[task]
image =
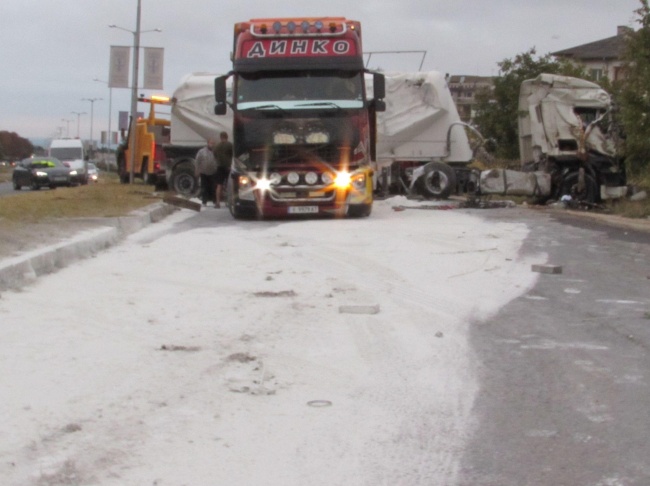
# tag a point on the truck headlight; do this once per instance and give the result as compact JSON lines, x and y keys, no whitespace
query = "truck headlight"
{"x":359,"y":181}
{"x":342,"y":180}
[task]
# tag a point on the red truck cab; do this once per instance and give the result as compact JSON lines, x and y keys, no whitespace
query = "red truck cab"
{"x":304,"y":133}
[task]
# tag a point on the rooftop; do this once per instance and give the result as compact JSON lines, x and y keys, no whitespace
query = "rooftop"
{"x":609,"y":48}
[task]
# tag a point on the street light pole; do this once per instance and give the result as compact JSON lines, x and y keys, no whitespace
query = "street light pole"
{"x":134,"y":90}
{"x":134,"y":84}
{"x":92,"y":108}
{"x":110,"y":108}
{"x":78,"y":113}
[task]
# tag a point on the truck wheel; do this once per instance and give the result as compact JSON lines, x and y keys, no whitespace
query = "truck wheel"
{"x":17,"y":186}
{"x":437,"y":182}
{"x":236,"y":212}
{"x":121,"y":171}
{"x":145,"y":176}
{"x":589,"y":193}
{"x":183,"y":182}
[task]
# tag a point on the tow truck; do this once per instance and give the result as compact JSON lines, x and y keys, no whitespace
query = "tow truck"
{"x":151,"y":134}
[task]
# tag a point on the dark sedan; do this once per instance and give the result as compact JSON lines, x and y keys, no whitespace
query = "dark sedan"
{"x":38,"y":172}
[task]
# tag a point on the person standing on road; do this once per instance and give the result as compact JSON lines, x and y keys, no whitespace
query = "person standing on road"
{"x":206,"y":170}
{"x":223,"y":154}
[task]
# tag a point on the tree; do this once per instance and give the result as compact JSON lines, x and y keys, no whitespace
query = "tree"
{"x":497,"y":109}
{"x":15,"y":147}
{"x":635,"y":94}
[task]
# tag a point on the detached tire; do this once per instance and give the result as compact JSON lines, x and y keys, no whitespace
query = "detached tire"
{"x":437,"y":182}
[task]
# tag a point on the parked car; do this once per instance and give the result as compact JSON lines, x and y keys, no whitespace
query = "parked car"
{"x":37,"y":172}
{"x":93,"y":172}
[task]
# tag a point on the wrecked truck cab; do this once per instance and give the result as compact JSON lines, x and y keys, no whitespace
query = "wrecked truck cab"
{"x":566,"y":129}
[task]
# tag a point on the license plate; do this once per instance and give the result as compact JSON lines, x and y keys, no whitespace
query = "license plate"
{"x":59,"y":178}
{"x":303,"y":209}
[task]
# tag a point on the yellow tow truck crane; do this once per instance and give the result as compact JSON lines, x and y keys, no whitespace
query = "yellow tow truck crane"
{"x":150,"y":134}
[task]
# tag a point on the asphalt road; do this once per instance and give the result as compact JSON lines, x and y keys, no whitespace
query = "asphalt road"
{"x":565,"y":369}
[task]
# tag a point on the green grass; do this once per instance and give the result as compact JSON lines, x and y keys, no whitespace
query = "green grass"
{"x":5,"y":173}
{"x":107,"y":198}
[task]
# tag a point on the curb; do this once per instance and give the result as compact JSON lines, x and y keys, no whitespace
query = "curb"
{"x":24,"y":269}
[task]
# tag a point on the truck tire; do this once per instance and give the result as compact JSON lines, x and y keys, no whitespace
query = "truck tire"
{"x":183,"y":182}
{"x":235,"y":211}
{"x":437,"y":182}
{"x":588,"y":194}
{"x":146,"y":179}
{"x":121,"y":170}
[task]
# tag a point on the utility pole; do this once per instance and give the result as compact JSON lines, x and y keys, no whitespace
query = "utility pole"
{"x":92,"y":107}
{"x":110,"y":109}
{"x":78,"y":113}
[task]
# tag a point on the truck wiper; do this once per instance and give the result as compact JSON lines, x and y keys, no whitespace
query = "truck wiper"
{"x":321,"y":103}
{"x":264,"y":107}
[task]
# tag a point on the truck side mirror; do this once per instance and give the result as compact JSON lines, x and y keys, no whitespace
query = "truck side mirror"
{"x":378,"y":86}
{"x":379,"y":105}
{"x":220,"y":95}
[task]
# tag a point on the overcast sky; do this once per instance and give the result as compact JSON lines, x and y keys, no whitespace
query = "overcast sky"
{"x":51,"y":50}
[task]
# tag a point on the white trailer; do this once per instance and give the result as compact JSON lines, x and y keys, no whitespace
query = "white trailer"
{"x":422,"y":145}
{"x":419,"y":134}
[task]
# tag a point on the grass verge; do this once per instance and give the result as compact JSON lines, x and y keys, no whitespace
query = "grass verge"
{"x":107,"y":198}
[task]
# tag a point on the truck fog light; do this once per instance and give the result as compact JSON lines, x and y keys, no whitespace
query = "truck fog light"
{"x":263,"y":184}
{"x":275,"y":179}
{"x":327,"y":178}
{"x":311,"y":178}
{"x":293,"y":178}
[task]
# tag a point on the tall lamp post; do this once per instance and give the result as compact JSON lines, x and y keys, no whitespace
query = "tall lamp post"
{"x":134,"y":84}
{"x":78,"y":113}
{"x":110,"y":108}
{"x":92,"y":108}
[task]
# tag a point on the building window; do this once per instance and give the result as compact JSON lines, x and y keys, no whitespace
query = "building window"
{"x":596,"y":74}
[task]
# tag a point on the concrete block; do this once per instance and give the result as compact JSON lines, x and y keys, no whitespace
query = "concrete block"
{"x":551,"y":269}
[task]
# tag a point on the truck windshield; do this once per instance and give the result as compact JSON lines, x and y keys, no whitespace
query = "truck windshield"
{"x":66,"y":153}
{"x":289,"y":90}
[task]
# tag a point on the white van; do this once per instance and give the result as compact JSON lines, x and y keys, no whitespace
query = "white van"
{"x":70,"y":151}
